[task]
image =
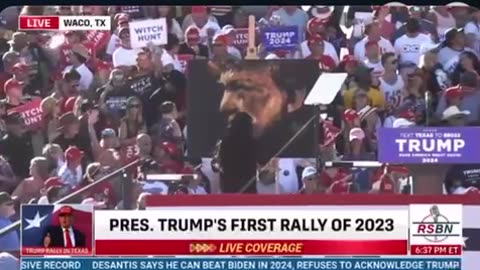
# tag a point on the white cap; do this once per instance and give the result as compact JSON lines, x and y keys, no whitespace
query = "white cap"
{"x":402,"y":123}
{"x":308,"y":172}
{"x":227,"y":29}
{"x":272,"y":56}
{"x":453,"y":111}
{"x":356,"y":134}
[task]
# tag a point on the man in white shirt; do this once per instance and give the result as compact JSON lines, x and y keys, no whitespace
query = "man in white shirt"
{"x":77,"y":58}
{"x":391,"y":84}
{"x":373,"y":34}
{"x":408,"y":46}
{"x":125,"y":56}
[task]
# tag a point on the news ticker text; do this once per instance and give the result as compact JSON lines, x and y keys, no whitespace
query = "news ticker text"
{"x":241,"y":264}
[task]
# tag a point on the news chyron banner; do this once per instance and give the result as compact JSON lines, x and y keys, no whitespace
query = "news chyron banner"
{"x":252,"y":231}
{"x":436,"y":229}
{"x":64,"y":23}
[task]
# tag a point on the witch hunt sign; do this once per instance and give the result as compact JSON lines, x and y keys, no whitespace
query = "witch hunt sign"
{"x":145,"y":32}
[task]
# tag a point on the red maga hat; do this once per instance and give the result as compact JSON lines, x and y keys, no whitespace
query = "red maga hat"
{"x":65,"y":211}
{"x":73,"y":153}
{"x":454,"y":92}
{"x":350,"y":115}
{"x":53,"y":181}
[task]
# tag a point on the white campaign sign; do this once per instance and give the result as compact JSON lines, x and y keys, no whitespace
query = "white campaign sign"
{"x":145,"y":32}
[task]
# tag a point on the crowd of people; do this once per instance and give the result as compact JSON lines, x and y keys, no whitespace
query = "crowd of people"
{"x":78,"y":105}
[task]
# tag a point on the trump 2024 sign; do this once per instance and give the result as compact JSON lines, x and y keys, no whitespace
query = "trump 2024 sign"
{"x":429,"y":145}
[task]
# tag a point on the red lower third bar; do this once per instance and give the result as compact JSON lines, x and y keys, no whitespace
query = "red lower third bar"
{"x":437,"y":250}
{"x":251,"y":247}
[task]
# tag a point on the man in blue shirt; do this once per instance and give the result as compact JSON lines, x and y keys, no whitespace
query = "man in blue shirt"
{"x":9,"y":241}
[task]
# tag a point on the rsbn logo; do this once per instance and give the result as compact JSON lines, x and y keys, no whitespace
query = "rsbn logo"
{"x":435,"y":227}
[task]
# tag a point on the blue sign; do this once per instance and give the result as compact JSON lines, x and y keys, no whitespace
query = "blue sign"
{"x":240,"y":263}
{"x":280,"y":38}
{"x":448,"y":145}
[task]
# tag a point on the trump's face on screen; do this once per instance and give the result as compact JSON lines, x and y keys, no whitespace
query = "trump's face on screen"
{"x":65,"y":217}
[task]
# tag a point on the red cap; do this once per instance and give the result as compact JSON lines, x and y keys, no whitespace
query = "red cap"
{"x":65,"y":211}
{"x":407,"y":114}
{"x":199,"y":9}
{"x":350,"y":115}
{"x":21,"y":67}
{"x":104,"y":65}
{"x":73,"y":153}
{"x":349,"y":59}
{"x":327,"y":63}
{"x":53,"y":181}
{"x":11,"y":84}
{"x":314,"y":23}
{"x":454,"y":92}
{"x":220,"y":39}
{"x":192,"y":33}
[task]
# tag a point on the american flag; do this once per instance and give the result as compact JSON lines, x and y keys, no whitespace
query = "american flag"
{"x":37,"y":218}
